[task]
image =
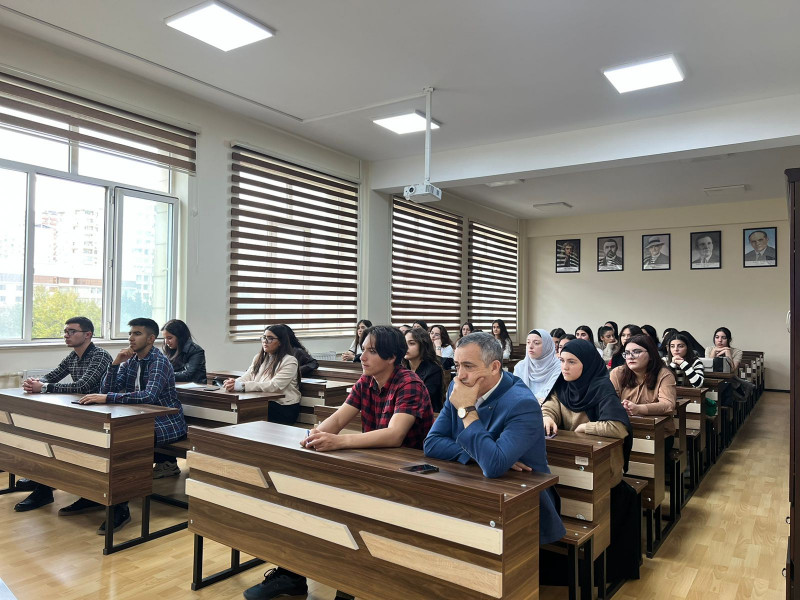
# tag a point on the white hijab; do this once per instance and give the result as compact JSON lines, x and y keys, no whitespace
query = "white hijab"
{"x":540,"y":374}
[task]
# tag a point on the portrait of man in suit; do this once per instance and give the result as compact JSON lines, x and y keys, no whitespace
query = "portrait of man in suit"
{"x":568,"y":256}
{"x":706,"y":250}
{"x":609,"y":254}
{"x":762,"y":243}
{"x":655,"y":252}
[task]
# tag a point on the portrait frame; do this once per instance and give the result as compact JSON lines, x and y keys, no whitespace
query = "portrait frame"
{"x":561,"y":265}
{"x":771,"y":250}
{"x":695,"y":259}
{"x":620,"y":241}
{"x":664,"y":257}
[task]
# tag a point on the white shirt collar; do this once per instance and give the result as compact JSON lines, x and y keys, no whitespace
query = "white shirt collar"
{"x":480,"y":400}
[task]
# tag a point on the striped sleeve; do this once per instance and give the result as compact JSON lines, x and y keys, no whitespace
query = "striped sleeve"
{"x":694,"y":372}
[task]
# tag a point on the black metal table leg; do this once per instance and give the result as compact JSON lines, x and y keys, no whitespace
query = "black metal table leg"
{"x":572,"y":575}
{"x":587,"y":572}
{"x":11,"y":484}
{"x":199,"y":582}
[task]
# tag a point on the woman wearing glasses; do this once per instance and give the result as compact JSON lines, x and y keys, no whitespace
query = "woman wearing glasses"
{"x":274,"y":369}
{"x":626,"y":333}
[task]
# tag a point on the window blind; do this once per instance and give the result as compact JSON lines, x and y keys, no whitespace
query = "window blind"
{"x":426,"y":265}
{"x":47,"y":112}
{"x":492,"y":281}
{"x":293,"y":250}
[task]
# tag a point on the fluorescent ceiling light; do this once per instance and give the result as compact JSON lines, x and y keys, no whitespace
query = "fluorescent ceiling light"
{"x":650,"y":73}
{"x":410,"y":123}
{"x":494,"y":184}
{"x":740,"y":188}
{"x":219,"y":25}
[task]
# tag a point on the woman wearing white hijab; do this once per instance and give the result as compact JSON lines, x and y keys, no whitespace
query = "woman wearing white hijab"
{"x":540,"y":368}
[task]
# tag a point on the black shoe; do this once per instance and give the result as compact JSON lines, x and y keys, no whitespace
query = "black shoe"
{"x":277,"y":582}
{"x":25,"y":485}
{"x":39,"y":497}
{"x":122,"y":516}
{"x":80,"y":506}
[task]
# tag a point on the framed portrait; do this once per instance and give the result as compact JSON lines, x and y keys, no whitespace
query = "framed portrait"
{"x":760,"y":247}
{"x":706,"y":249}
{"x":655,"y":252}
{"x":568,"y":256}
{"x":610,"y":253}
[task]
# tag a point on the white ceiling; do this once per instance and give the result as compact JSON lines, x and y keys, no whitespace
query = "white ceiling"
{"x":502,"y":71}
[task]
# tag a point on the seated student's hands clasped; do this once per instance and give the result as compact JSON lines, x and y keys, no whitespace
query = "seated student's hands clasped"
{"x":229,"y":385}
{"x":32,"y":385}
{"x":550,"y":427}
{"x":323,"y":441}
{"x":631,"y":408}
{"x":348,"y":356}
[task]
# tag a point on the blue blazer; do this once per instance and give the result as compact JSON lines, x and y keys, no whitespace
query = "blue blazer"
{"x":510,"y":429}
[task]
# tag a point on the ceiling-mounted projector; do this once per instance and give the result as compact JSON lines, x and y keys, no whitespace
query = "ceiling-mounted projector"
{"x":422,"y":193}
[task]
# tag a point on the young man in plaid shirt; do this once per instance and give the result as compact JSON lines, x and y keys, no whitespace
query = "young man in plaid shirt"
{"x":141,"y":374}
{"x":86,"y":364}
{"x":395,"y":411}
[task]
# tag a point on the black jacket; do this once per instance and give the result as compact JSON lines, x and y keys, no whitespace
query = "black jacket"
{"x":190,"y":364}
{"x":306,"y":362}
{"x":431,"y":375}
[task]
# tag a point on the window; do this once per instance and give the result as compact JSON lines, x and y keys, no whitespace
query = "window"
{"x":294,"y":248}
{"x":492,"y":268}
{"x":86,"y":205}
{"x":426,"y":265}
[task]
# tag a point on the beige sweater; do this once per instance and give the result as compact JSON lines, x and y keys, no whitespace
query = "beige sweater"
{"x":285,"y":379}
{"x":566,"y":419}
{"x":657,"y":402}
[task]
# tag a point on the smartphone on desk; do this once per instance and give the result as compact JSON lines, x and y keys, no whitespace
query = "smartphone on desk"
{"x":424,"y":468}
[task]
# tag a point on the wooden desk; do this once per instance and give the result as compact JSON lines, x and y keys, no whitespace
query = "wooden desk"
{"x":101,"y":452}
{"x":647,"y":463}
{"x":323,"y":412}
{"x":218,"y":407}
{"x":356,"y":521}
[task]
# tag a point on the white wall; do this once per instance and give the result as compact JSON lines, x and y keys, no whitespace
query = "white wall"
{"x":751,"y":302}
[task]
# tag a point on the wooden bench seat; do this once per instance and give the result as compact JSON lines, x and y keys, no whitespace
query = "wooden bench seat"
{"x":177,"y":449}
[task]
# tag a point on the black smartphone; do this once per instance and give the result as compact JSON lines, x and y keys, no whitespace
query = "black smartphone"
{"x":425,"y":468}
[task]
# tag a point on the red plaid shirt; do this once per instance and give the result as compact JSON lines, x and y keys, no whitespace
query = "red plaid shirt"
{"x":403,"y":393}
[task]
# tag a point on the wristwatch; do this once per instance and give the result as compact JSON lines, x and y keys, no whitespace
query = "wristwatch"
{"x":45,"y":386}
{"x":464,"y":411}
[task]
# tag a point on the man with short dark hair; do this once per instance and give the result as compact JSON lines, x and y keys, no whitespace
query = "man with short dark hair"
{"x":395,"y":411}
{"x":86,"y":364}
{"x":609,"y":260}
{"x":141,"y":374}
{"x":491,"y":417}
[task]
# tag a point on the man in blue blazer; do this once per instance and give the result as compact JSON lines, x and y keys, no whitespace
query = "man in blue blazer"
{"x":491,"y":417}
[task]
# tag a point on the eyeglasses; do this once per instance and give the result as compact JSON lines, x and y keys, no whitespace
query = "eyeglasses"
{"x":69,"y":332}
{"x":268,"y":338}
{"x":632,"y":353}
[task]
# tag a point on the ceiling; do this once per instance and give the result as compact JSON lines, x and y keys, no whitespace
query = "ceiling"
{"x":530,"y":68}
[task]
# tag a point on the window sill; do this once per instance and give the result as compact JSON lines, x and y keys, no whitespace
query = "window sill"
{"x":47,"y":344}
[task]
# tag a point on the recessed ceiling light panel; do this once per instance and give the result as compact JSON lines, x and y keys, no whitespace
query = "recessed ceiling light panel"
{"x":646,"y":74}
{"x":409,"y":123}
{"x":219,"y":25}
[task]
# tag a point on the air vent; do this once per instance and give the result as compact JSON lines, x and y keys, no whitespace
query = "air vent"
{"x":551,"y":206}
{"x":726,"y":190}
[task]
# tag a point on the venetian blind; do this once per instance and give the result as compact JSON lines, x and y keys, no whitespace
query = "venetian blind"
{"x":294,"y":248}
{"x":47,"y":112}
{"x":492,"y":268}
{"x":426,"y":265}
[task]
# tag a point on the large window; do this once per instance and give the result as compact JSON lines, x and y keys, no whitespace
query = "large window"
{"x":294,"y":248}
{"x":426,"y":265}
{"x":89,"y":225}
{"x":493,"y":273}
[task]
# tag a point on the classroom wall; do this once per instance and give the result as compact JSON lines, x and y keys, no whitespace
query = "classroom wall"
{"x":751,"y":302}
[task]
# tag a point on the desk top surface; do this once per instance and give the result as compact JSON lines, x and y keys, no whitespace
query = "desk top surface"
{"x":220,"y":395}
{"x":581,"y":443}
{"x":55,"y":405}
{"x":379,"y":462}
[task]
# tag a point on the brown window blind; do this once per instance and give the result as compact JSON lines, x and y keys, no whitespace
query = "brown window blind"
{"x":294,"y":248}
{"x":47,"y":112}
{"x":426,"y":265}
{"x":492,"y":280}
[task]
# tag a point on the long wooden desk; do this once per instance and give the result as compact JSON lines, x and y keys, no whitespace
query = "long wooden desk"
{"x":647,"y":463}
{"x":356,"y":521}
{"x":100,"y":452}
{"x":213,"y":407}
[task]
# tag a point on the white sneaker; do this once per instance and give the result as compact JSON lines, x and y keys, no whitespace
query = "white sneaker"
{"x":166,"y":469}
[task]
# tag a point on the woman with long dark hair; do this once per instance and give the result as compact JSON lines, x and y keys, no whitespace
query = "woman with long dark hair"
{"x":274,"y":369}
{"x":626,"y":333}
{"x":500,"y":333}
{"x":722,"y":347}
{"x":307,"y":363}
{"x":443,"y":345}
{"x":188,"y":359}
{"x":466,"y":328}
{"x":355,"y":348}
{"x":682,"y":359}
{"x":422,"y":359}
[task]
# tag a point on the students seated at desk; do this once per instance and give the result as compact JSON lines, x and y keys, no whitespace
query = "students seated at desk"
{"x":466,"y":329}
{"x":274,"y":369}
{"x":663,"y":347}
{"x":443,"y":345}
{"x":395,"y":411}
{"x":491,"y":417}
{"x":722,"y":347}
{"x":684,"y":362}
{"x":307,"y":363}
{"x":563,"y":342}
{"x":540,"y":368}
{"x":86,"y":365}
{"x":141,"y":374}
{"x":626,"y":333}
{"x":584,"y":332}
{"x":645,"y":384}
{"x":608,"y":342}
{"x":501,"y":335}
{"x":355,"y":349}
{"x":421,"y":358}
{"x":188,"y":358}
